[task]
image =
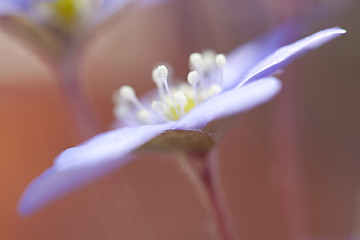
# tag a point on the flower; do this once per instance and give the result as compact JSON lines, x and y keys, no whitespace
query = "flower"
{"x":58,"y":32}
{"x":69,"y":16}
{"x":218,"y":87}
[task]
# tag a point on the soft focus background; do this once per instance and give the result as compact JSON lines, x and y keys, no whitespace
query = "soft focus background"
{"x":311,"y":130}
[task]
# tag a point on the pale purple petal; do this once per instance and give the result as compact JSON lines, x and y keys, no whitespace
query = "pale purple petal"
{"x":82,"y":164}
{"x":231,"y":102}
{"x":284,"y":55}
{"x":11,"y":7}
{"x":245,"y":57}
{"x":110,"y":7}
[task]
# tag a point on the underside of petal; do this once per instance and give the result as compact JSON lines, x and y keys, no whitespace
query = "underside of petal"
{"x":245,"y":57}
{"x":231,"y":102}
{"x":82,"y":164}
{"x":284,"y":55}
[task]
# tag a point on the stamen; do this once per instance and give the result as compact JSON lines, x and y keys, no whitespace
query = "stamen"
{"x":162,"y":73}
{"x":158,"y":81}
{"x":195,"y":61}
{"x":214,"y":89}
{"x":121,"y":110}
{"x":144,"y":115}
{"x":181,"y":101}
{"x":160,"y":109}
{"x":208,"y":60}
{"x":127,"y":93}
{"x":220,"y":60}
{"x":193,"y":78}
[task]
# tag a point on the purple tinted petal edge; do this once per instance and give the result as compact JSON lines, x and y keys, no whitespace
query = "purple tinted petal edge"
{"x":286,"y":54}
{"x":231,"y":102}
{"x":89,"y":161}
{"x":243,"y":58}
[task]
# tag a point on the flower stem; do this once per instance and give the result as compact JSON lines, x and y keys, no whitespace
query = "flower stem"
{"x":70,"y":85}
{"x":204,"y":166}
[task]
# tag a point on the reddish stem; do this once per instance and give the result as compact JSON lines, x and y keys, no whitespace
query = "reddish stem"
{"x":70,"y":85}
{"x":205,"y":167}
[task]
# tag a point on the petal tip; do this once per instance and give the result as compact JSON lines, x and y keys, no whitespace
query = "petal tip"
{"x":338,"y":30}
{"x":24,"y":207}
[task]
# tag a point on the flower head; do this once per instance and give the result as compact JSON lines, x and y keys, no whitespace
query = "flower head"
{"x":217,"y":86}
{"x":67,"y":17}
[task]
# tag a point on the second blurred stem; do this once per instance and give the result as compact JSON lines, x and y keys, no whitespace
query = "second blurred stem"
{"x":67,"y":70}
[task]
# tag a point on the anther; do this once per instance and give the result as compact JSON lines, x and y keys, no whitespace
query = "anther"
{"x":158,"y":81}
{"x":193,"y":78}
{"x":127,"y":93}
{"x":220,"y":60}
{"x":208,"y":59}
{"x":195,"y":61}
{"x":144,"y":115}
{"x":214,"y":89}
{"x":162,"y":73}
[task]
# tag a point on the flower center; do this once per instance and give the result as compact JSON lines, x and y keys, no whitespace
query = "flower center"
{"x":172,"y":102}
{"x":65,"y":13}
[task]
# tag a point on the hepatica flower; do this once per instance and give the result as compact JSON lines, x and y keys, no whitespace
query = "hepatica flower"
{"x":173,"y":116}
{"x":66,"y":16}
{"x":58,"y":33}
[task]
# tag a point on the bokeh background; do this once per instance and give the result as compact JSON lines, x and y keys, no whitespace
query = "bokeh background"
{"x":310,"y":131}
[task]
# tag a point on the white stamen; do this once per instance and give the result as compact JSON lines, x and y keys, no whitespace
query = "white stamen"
{"x":173,"y":102}
{"x":162,"y":73}
{"x":181,"y":101}
{"x":193,"y":78}
{"x":158,"y":81}
{"x":195,"y":61}
{"x":214,"y":89}
{"x":160,"y":109}
{"x":208,"y":60}
{"x":144,"y":115}
{"x":127,"y":93}
{"x":121,"y":110}
{"x":220,"y":60}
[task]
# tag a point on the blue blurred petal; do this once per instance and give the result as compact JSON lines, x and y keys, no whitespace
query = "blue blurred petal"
{"x":231,"y":102}
{"x":11,"y":7}
{"x":284,"y":55}
{"x":82,"y":164}
{"x":245,"y":57}
{"x":111,"y":7}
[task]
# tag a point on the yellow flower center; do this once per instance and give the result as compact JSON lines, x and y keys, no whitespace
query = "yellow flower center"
{"x":67,"y":10}
{"x":65,"y":14}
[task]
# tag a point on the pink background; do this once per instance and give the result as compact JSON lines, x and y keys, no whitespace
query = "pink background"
{"x":312,"y":127}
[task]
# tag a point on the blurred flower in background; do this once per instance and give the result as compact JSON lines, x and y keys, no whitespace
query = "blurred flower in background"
{"x":126,"y":204}
{"x":57,"y":32}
